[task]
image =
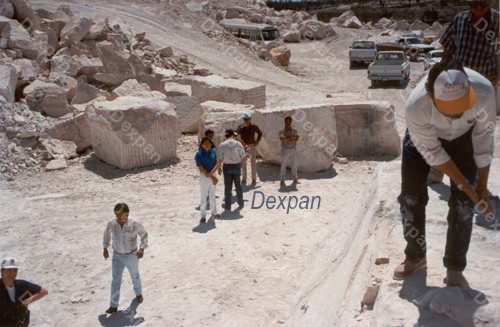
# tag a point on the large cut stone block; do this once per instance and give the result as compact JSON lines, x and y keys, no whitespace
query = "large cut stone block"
{"x":219,"y":122}
{"x":132,"y":132}
{"x":367,"y":129}
{"x":217,"y":88}
{"x":72,"y":128}
{"x":317,"y":131}
{"x":188,"y":111}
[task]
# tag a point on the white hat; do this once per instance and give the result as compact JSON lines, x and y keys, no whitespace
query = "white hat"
{"x":453,"y":93}
{"x":9,"y":263}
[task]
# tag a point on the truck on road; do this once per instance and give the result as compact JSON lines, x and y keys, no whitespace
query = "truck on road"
{"x":389,"y":66}
{"x":362,"y":52}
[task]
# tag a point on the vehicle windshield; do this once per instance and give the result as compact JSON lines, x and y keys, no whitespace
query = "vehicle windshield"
{"x":363,"y":45}
{"x":413,"y":40}
{"x":390,"y":59}
{"x":438,"y":54}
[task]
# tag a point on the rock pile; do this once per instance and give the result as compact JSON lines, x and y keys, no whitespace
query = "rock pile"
{"x":54,"y":64}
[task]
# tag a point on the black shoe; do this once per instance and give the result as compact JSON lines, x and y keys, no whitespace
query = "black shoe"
{"x":139,"y":298}
{"x":240,"y":207}
{"x":112,"y":310}
{"x":254,"y":182}
{"x":244,"y":182}
{"x":225,"y":207}
{"x":203,"y":220}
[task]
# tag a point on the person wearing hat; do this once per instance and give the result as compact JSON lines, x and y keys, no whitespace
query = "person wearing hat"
{"x":250,"y":136}
{"x":16,"y":295}
{"x":230,"y":155}
{"x":451,"y":124}
{"x":123,"y":232}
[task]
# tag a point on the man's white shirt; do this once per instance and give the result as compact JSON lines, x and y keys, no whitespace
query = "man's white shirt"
{"x":427,"y":125}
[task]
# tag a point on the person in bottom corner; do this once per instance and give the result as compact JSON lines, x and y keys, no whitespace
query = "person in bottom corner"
{"x":122,"y":234}
{"x":16,"y":295}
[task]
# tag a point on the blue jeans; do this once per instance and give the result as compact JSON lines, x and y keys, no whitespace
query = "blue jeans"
{"x":232,"y":174}
{"x":414,"y":198}
{"x":119,"y":263}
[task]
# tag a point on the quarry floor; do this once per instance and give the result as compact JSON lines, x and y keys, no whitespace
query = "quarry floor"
{"x":262,"y":267}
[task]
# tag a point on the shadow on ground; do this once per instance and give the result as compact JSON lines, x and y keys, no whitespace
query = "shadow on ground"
{"x":268,"y":172}
{"x":442,"y":307}
{"x":107,"y":171}
{"x":122,"y":318}
{"x":205,"y":228}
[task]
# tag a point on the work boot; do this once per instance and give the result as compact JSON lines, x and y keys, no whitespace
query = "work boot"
{"x":282,"y":184}
{"x":112,"y":310}
{"x":203,"y":220}
{"x":408,"y":268}
{"x":455,"y":278}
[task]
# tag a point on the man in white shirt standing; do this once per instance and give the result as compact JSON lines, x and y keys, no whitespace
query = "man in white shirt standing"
{"x":123,"y":233}
{"x":451,"y":127}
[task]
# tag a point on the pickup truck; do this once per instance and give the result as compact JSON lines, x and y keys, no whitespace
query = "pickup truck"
{"x":362,"y":52}
{"x":411,"y":45}
{"x":389,"y":66}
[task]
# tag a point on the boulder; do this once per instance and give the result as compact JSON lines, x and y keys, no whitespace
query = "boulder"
{"x":237,"y":12}
{"x":84,"y":92}
{"x":188,"y":111}
{"x":400,"y":25}
{"x":280,"y":56}
{"x":6,"y":9}
{"x":112,"y":79}
{"x":165,"y":73}
{"x":73,"y":128}
{"x":155,"y":82}
{"x":59,"y":149}
{"x":75,"y":30}
{"x":27,"y":70}
{"x":166,"y":52}
{"x":436,"y":26}
{"x":315,"y":30}
{"x":65,"y":65}
{"x":25,"y":14}
{"x":353,"y":22}
{"x":383,"y":23}
{"x":345,"y":17}
{"x":56,"y":164}
{"x":97,"y":32}
{"x":418,"y":25}
{"x":176,"y":89}
{"x":131,"y":132}
{"x":292,"y":36}
{"x":316,"y":127}
{"x":18,"y":38}
{"x":48,"y":98}
{"x":219,"y":122}
{"x":88,"y":66}
{"x":367,"y":129}
{"x":257,"y":18}
{"x":132,"y":87}
{"x":217,"y":88}
{"x":8,"y":81}
{"x":113,"y":60}
{"x":68,"y":83}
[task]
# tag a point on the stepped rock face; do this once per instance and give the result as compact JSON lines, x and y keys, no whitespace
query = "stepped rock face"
{"x":317,"y":131}
{"x":367,"y":129}
{"x":188,"y":111}
{"x":217,"y":88}
{"x":132,"y":132}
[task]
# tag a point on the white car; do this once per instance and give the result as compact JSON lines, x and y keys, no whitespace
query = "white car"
{"x":389,"y":66}
{"x":432,"y":58}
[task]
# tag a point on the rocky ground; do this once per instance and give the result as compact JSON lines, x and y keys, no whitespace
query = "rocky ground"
{"x":260,"y":268}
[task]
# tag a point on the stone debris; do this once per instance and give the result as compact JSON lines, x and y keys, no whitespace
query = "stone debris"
{"x":382,"y":261}
{"x":8,"y":81}
{"x":56,"y":164}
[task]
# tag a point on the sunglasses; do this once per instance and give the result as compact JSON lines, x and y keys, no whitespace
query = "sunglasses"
{"x":478,"y":4}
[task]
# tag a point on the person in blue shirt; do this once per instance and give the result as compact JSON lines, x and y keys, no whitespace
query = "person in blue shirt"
{"x":206,"y":161}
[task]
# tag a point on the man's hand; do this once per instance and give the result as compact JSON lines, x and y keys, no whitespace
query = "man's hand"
{"x":215,"y":180}
{"x":105,"y":254}
{"x":219,"y":171}
{"x":140,"y":253}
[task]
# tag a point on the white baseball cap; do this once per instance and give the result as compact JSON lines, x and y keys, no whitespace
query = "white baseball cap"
{"x":9,"y":263}
{"x":453,"y":94}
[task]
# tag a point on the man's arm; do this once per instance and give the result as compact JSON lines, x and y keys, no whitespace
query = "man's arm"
{"x":106,"y":240}
{"x":448,"y":42}
{"x":450,"y":169}
{"x":37,"y":296}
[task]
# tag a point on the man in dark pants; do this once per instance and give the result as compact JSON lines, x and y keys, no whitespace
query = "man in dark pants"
{"x":230,"y":155}
{"x":16,"y":295}
{"x":451,"y":124}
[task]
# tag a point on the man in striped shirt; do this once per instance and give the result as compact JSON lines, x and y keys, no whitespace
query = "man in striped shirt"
{"x":472,"y":39}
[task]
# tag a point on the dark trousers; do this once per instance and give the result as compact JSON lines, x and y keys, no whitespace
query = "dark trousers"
{"x":232,"y":174}
{"x":414,"y":198}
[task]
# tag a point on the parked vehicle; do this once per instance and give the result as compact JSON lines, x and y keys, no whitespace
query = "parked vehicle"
{"x":251,"y":31}
{"x":362,"y":52}
{"x":433,"y":57}
{"x":411,"y":45}
{"x":414,"y":46}
{"x":389,"y":66}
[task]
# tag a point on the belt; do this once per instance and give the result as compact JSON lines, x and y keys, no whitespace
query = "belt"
{"x":124,"y":253}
